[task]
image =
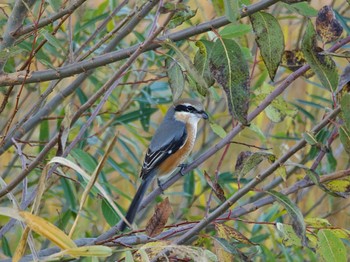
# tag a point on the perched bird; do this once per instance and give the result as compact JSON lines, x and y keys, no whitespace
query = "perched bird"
{"x":170,"y":146}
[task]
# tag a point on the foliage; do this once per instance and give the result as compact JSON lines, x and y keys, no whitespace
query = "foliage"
{"x":84,"y":85}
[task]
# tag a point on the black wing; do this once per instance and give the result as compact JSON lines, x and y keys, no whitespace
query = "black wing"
{"x":164,"y":143}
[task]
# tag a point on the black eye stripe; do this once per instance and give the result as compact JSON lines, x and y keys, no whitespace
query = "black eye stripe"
{"x":183,"y":108}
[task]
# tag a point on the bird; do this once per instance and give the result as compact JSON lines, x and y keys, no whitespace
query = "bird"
{"x":171,"y":144}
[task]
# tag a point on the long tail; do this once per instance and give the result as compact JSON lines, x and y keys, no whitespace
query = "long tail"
{"x":135,"y":204}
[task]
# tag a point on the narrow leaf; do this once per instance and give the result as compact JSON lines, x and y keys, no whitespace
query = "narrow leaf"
{"x":229,"y":68}
{"x":48,"y":230}
{"x":269,"y":37}
{"x":323,"y":66}
{"x":295,"y":213}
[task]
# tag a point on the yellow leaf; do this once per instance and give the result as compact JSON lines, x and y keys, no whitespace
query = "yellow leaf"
{"x":48,"y":230}
{"x":93,"y":251}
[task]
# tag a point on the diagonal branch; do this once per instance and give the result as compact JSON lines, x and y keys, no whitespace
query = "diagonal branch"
{"x":19,"y":13}
{"x":234,"y":132}
{"x":253,"y":183}
{"x":80,"y":67}
{"x":48,"y":20}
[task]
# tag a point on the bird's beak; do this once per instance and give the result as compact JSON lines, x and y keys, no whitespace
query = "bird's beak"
{"x":204,"y":115}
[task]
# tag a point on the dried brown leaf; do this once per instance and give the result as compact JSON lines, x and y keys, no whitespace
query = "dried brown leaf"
{"x":218,"y":191}
{"x":157,"y":222}
{"x":293,"y":60}
{"x":228,"y":233}
{"x":327,"y":27}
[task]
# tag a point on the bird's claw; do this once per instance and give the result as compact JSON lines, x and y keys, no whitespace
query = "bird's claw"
{"x":182,"y":167}
{"x":159,"y":182}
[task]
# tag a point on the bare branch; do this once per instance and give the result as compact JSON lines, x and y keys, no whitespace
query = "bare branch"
{"x":86,"y":65}
{"x":14,"y":22}
{"x":48,"y":20}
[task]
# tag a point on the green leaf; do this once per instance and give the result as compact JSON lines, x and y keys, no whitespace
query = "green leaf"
{"x":218,"y":130}
{"x":193,"y":76}
{"x":84,"y":159}
{"x":109,"y":213}
{"x":289,"y":237}
{"x":144,"y":106}
{"x":201,"y":60}
{"x":295,"y":213}
{"x":235,"y":30}
{"x":43,"y":133}
{"x":310,"y":138}
{"x":341,"y":187}
{"x":52,"y":40}
{"x":226,"y":245}
{"x":69,"y":193}
{"x":133,"y":116}
{"x":247,"y":161}
{"x":11,"y":52}
{"x":6,"y":247}
{"x":269,"y":37}
{"x":344,"y":82}
{"x":317,"y":222}
{"x":302,"y":8}
{"x":182,"y":13}
{"x":55,"y":4}
{"x":256,"y":129}
{"x":232,"y":10}
{"x":229,"y":68}
{"x":345,"y":108}
{"x":189,"y":185}
{"x":176,"y":78}
{"x":330,"y":247}
{"x":128,"y":256}
{"x":274,"y":114}
{"x":323,"y":66}
{"x":344,"y":136}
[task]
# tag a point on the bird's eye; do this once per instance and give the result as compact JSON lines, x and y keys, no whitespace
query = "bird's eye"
{"x":191,"y":109}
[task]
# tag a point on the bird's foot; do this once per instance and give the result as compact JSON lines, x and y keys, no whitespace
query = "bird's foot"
{"x":159,"y":182}
{"x":182,"y":167}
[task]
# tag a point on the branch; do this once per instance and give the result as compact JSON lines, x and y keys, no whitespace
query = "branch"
{"x":21,"y":128}
{"x":86,"y":65}
{"x":14,"y":22}
{"x":48,"y":20}
{"x":253,"y":183}
{"x":235,"y":131}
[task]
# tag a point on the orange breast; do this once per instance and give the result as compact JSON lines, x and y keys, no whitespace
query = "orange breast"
{"x":176,"y":159}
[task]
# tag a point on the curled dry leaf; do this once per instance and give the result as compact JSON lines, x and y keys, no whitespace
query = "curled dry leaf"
{"x":228,"y":233}
{"x":293,"y":60}
{"x":327,"y":27}
{"x":157,"y":222}
{"x":218,"y":191}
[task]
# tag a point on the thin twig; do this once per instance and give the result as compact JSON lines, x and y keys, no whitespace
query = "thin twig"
{"x":86,"y":65}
